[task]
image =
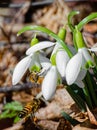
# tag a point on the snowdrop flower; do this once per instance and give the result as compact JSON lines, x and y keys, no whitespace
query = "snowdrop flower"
{"x":29,"y":60}
{"x":20,"y":69}
{"x":79,"y":61}
{"x":62,"y":59}
{"x":49,"y":83}
{"x":39,"y":46}
{"x":80,"y":77}
{"x":45,"y":64}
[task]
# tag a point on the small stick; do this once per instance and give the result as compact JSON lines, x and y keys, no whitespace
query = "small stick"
{"x":18,"y":87}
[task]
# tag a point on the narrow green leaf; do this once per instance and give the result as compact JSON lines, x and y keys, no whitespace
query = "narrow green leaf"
{"x":86,"y":20}
{"x":70,"y":119}
{"x":76,"y":98}
{"x":49,"y":32}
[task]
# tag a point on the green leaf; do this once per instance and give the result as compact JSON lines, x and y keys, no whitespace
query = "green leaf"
{"x":11,"y":110}
{"x":50,"y":33}
{"x":4,"y":114}
{"x":70,"y":119}
{"x":16,"y":119}
{"x":12,"y":114}
{"x":76,"y":98}
{"x":16,"y":106}
{"x":86,"y":20}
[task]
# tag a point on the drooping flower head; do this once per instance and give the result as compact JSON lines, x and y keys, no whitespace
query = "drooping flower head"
{"x":32,"y":59}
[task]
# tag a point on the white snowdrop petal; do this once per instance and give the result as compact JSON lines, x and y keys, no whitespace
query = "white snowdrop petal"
{"x":61,"y":61}
{"x":49,"y":83}
{"x":39,"y":46}
{"x":73,"y":68}
{"x":44,"y":61}
{"x":79,"y":84}
{"x":43,"y":58}
{"x":82,"y":74}
{"x":93,"y":49}
{"x":20,"y":69}
{"x":57,"y":46}
{"x":86,"y":54}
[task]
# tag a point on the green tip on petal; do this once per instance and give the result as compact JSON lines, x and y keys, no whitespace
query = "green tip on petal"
{"x":53,"y":59}
{"x":35,"y":68}
{"x":89,"y":64}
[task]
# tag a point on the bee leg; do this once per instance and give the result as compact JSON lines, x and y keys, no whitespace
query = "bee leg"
{"x":39,"y":95}
{"x":35,"y":120}
{"x":31,"y":116}
{"x":45,"y":101}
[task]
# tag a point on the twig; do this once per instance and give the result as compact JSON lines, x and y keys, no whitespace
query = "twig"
{"x":18,"y":87}
{"x":38,"y":3}
{"x":22,"y":11}
{"x":4,"y":32}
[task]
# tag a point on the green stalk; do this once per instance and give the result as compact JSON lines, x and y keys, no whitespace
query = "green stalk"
{"x":91,"y":88}
{"x":94,"y":82}
{"x":78,"y":100}
{"x":87,"y":95}
{"x":95,"y":59}
{"x":50,"y":33}
{"x":86,"y":20}
{"x":70,"y":19}
{"x":70,"y":119}
{"x":74,"y":39}
{"x":95,"y":72}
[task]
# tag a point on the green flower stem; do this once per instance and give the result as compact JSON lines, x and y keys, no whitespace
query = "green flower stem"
{"x":86,"y":20}
{"x":95,"y":72}
{"x":74,"y":40}
{"x":87,"y":95}
{"x":70,"y":119}
{"x":78,"y":100}
{"x":91,"y":88}
{"x":95,"y":59}
{"x":93,"y":81}
{"x":70,"y":19}
{"x":50,"y":33}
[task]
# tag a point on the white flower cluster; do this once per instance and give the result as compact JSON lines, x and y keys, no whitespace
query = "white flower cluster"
{"x":72,"y":70}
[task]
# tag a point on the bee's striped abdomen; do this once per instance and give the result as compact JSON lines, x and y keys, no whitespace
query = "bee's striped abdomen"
{"x":26,"y":110}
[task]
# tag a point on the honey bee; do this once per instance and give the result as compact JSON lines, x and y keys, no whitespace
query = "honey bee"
{"x":31,"y":108}
{"x":34,"y":77}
